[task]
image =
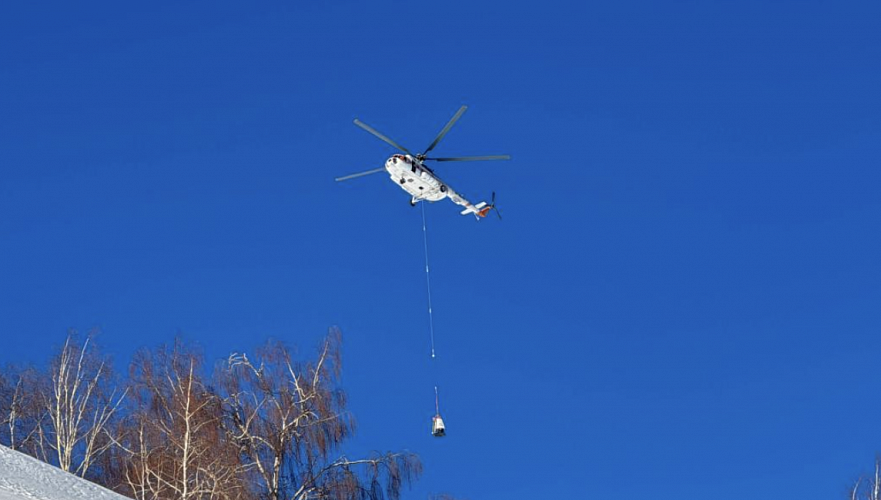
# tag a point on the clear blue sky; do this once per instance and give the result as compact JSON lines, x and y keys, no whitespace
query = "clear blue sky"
{"x":684,"y":297}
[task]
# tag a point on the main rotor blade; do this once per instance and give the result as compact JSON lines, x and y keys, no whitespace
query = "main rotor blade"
{"x":473,"y":158}
{"x":359,"y":174}
{"x":446,"y":129}
{"x":384,"y":138}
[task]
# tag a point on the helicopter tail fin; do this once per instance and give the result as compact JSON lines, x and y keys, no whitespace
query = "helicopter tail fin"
{"x":483,"y":208}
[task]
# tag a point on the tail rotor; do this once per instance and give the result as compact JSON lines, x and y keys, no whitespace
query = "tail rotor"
{"x":492,"y":206}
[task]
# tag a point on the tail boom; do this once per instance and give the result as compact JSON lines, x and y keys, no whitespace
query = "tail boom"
{"x":480,"y":210}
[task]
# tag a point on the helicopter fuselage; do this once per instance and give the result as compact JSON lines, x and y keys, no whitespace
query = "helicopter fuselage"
{"x":416,"y":179}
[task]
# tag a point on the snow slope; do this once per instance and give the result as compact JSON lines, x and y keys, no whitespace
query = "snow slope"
{"x":26,"y":478}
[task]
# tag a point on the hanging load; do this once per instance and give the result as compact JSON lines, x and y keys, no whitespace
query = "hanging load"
{"x":437,"y":423}
{"x":437,"y":426}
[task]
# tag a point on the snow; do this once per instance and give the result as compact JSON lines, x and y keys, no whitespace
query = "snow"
{"x":26,"y":478}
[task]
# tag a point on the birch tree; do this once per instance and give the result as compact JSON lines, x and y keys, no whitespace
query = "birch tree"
{"x":868,"y":489}
{"x":80,"y":404}
{"x":23,"y":413}
{"x":176,"y":444}
{"x":289,"y":420}
{"x":12,"y":408}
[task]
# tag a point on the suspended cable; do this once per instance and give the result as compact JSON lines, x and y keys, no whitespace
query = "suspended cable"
{"x":437,"y":423}
{"x":427,"y":280}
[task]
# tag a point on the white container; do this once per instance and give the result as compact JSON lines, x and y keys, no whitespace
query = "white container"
{"x":437,"y":426}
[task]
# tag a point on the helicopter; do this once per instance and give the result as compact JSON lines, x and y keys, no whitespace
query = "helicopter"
{"x":410,"y":172}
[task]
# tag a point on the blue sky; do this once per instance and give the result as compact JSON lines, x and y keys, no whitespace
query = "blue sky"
{"x":683,"y":297}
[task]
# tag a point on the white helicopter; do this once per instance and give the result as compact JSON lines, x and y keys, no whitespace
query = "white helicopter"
{"x":410,"y":172}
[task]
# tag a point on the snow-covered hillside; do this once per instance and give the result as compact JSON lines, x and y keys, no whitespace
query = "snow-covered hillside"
{"x":26,"y":478}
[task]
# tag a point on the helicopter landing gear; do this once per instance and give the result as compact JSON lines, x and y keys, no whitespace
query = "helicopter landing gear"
{"x":403,"y":181}
{"x":443,"y":188}
{"x":413,"y":201}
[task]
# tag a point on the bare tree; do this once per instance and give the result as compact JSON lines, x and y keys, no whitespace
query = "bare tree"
{"x":11,"y":407}
{"x":80,"y":405}
{"x":868,"y":489}
{"x":289,"y":419}
{"x":23,"y":413}
{"x":176,"y":444}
